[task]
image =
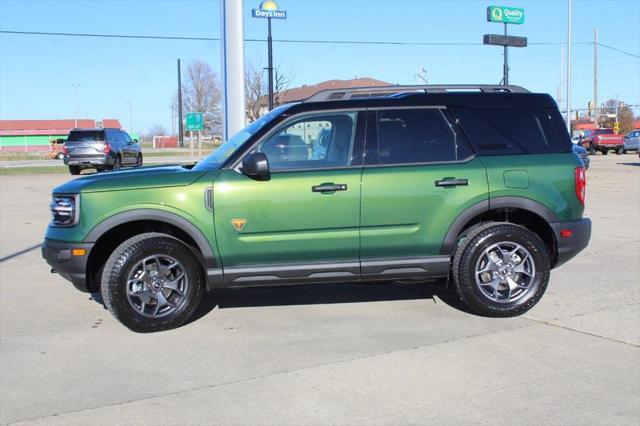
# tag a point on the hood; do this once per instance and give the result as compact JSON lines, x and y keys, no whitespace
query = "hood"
{"x":139,"y":178}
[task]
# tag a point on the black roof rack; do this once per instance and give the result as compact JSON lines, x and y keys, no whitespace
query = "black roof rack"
{"x":371,"y":91}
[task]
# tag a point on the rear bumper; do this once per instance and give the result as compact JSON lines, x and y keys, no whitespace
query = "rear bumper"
{"x":579,"y":239}
{"x":97,"y":160}
{"x":72,"y":268}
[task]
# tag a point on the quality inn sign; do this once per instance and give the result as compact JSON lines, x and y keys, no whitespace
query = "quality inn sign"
{"x":505,"y":15}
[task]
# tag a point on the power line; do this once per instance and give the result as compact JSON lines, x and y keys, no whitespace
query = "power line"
{"x":350,"y":42}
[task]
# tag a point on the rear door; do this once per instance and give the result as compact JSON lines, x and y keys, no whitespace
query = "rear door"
{"x":419,"y":176}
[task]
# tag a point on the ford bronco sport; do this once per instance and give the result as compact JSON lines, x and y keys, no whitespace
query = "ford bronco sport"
{"x":475,"y":183}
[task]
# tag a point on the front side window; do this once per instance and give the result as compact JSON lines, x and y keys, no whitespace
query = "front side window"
{"x":313,"y":142}
{"x":408,"y":136}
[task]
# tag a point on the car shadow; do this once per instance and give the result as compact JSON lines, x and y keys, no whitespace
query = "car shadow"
{"x":328,"y":294}
{"x":630,"y":164}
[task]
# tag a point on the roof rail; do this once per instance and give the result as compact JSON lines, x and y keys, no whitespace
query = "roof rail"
{"x":371,"y":91}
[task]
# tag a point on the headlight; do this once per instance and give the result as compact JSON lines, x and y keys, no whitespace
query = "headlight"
{"x":64,"y":210}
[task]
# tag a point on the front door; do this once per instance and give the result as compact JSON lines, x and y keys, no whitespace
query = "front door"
{"x":302,"y":223}
{"x":419,"y":175}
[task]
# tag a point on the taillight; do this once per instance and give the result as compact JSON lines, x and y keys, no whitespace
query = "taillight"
{"x":107,"y":148}
{"x":65,"y":150}
{"x":581,"y":184}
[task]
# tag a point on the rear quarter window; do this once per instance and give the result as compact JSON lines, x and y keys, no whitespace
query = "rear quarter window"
{"x":501,"y":131}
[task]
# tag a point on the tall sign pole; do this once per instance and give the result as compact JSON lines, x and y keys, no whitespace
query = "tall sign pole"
{"x":269,"y":9}
{"x":233,"y":98}
{"x":505,"y":15}
{"x":595,"y":76}
{"x":180,"y":129}
{"x":569,"y":33}
{"x":270,"y":54}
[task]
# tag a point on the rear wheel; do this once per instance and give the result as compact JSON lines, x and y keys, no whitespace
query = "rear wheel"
{"x":605,"y":151}
{"x":75,"y":170}
{"x":152,"y":282}
{"x":117,"y":163}
{"x":501,"y":270}
{"x":621,"y":151}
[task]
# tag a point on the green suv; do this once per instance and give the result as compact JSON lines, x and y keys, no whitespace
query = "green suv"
{"x":475,"y":183}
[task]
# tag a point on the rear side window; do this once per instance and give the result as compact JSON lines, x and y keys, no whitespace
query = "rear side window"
{"x":497,"y":131}
{"x":407,"y":136}
{"x":86,"y":136}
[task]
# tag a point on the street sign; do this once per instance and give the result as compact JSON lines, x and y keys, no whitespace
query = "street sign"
{"x":269,"y":9}
{"x":503,"y":40}
{"x":505,"y":15}
{"x":195,"y":121}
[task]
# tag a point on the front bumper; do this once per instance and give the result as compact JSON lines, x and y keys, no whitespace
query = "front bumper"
{"x":568,"y":247}
{"x":72,"y":268}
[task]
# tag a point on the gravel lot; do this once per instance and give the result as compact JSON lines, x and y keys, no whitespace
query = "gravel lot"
{"x":330,"y":354}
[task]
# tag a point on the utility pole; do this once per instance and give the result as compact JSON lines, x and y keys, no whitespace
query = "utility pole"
{"x":75,"y":86}
{"x":569,"y":18}
{"x":130,"y":116}
{"x":561,"y":77}
{"x":180,"y":141}
{"x":595,"y":76}
{"x":232,"y":42}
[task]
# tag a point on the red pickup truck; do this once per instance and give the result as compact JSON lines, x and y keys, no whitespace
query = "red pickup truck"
{"x":603,"y":140}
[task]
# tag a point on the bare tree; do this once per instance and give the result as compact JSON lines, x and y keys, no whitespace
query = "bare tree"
{"x":156,"y":130}
{"x":625,"y":115}
{"x":256,"y":89}
{"x":201,"y":92}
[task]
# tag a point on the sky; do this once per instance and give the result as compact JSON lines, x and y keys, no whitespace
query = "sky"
{"x":37,"y":72}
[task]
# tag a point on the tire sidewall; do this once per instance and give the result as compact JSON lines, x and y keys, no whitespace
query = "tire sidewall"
{"x":471,"y":292}
{"x":119,"y":266}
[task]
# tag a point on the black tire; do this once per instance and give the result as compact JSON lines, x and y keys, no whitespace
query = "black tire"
{"x":60,"y":156}
{"x":139,"y":160}
{"x":121,"y":264}
{"x":117,"y":163}
{"x":604,"y":151}
{"x":75,"y":170}
{"x":591,"y":150}
{"x":468,"y":255}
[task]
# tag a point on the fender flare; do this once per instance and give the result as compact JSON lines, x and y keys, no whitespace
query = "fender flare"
{"x":449,"y":243}
{"x":161,"y":216}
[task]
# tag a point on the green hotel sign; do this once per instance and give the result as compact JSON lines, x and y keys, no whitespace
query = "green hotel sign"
{"x":505,"y":15}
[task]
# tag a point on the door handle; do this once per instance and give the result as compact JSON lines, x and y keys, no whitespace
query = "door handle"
{"x":329,"y":187}
{"x":452,"y":182}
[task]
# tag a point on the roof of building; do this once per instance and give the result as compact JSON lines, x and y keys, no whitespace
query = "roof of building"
{"x":50,"y":127}
{"x":300,"y":93}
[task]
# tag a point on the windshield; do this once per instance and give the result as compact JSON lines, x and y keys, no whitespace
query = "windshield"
{"x":224,"y":151}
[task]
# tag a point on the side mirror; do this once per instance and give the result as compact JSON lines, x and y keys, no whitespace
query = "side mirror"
{"x":135,"y":141}
{"x":256,"y":166}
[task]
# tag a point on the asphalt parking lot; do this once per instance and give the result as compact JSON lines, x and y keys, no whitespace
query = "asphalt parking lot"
{"x":330,"y":354}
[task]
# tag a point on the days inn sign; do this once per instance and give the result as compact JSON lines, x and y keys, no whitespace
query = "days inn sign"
{"x":269,"y":9}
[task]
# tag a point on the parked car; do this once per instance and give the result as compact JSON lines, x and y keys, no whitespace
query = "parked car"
{"x":101,"y":149}
{"x":583,"y":154}
{"x":56,"y":149}
{"x":632,"y":141}
{"x":476,"y":183}
{"x":603,"y":140}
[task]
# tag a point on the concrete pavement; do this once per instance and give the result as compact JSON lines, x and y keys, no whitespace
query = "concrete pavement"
{"x":330,"y":354}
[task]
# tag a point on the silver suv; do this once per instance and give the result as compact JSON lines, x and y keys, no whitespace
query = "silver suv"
{"x":632,"y":141}
{"x":101,"y":149}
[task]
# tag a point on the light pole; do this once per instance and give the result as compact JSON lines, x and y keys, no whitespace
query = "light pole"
{"x":569,"y":34}
{"x":130,"y":116}
{"x":75,"y":86}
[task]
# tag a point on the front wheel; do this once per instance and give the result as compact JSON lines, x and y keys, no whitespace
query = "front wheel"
{"x":75,"y":170}
{"x":152,"y":282}
{"x":501,"y":270}
{"x":139,"y":160}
